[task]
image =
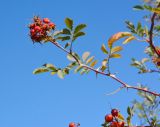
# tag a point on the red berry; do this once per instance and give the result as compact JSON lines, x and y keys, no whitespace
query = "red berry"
{"x":31,"y":26}
{"x":114,"y":124}
{"x":46,"y":20}
{"x":45,"y":26}
{"x":37,"y":28}
{"x":51,"y":25}
{"x":32,"y":32}
{"x":114,"y":112}
{"x":109,"y":118}
{"x":121,"y":124}
{"x":72,"y":124}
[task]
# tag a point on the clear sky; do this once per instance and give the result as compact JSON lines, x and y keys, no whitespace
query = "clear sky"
{"x":28,"y":100}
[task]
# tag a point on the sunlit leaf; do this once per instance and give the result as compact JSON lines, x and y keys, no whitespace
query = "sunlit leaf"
{"x":156,"y":10}
{"x":104,"y":50}
{"x":115,"y":56}
{"x":69,"y":23}
{"x":104,"y":62}
{"x":116,"y":37}
{"x":116,"y":49}
{"x":85,"y":55}
{"x":78,"y":69}
{"x":93,"y":63}
{"x":127,"y":40}
{"x":70,"y":57}
{"x":79,"y":28}
{"x":53,"y":72}
{"x":103,"y":68}
{"x":50,"y":66}
{"x":40,"y":70}
{"x":145,"y":60}
{"x":89,"y":60}
{"x":60,"y":74}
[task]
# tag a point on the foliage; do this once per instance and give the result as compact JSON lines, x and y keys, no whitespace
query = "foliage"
{"x":146,"y":110}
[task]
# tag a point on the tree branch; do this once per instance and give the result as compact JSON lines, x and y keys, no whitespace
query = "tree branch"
{"x":151,"y":32}
{"x":125,"y":85}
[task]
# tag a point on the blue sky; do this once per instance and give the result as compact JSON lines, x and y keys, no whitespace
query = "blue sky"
{"x":28,"y":100}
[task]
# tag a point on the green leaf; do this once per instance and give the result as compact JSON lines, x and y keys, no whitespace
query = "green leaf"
{"x":53,"y":72}
{"x":69,"y":23}
{"x":115,"y":56}
{"x":130,"y":26}
{"x":127,"y":40}
{"x":116,"y":37}
{"x":71,"y":58}
{"x":116,"y":49}
{"x":138,"y":7}
{"x":63,"y":38}
{"x":129,"y":111}
{"x":104,"y":50}
{"x":139,"y":26}
{"x":148,"y":7}
{"x":56,"y":33}
{"x":66,"y":31}
{"x":40,"y":70}
{"x":60,"y":74}
{"x":78,"y":35}
{"x":50,"y":66}
{"x":85,"y":55}
{"x":78,"y":69}
{"x":79,"y":28}
{"x":129,"y":120}
{"x":93,"y":63}
{"x":103,"y":68}
{"x":89,"y":60}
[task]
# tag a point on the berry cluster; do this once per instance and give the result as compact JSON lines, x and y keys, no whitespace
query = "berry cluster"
{"x":39,"y":28}
{"x":112,"y":120}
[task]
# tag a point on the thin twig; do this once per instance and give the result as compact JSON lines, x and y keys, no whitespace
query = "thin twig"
{"x":103,"y":73}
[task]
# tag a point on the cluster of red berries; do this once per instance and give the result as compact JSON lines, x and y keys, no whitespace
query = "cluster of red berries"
{"x":112,"y":119}
{"x":39,"y":28}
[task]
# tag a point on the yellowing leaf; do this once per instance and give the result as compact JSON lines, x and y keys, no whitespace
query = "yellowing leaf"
{"x":116,"y":49}
{"x":120,"y":116}
{"x":90,"y":60}
{"x":85,"y":55}
{"x":40,"y":70}
{"x":129,"y":39}
{"x":103,"y":48}
{"x":156,"y":10}
{"x":116,"y":37}
{"x":93,"y":63}
{"x":115,"y":56}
